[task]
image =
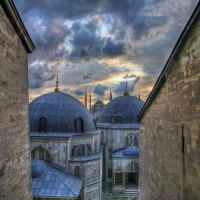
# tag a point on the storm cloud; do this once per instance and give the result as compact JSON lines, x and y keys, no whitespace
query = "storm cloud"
{"x":100,"y":89}
{"x":77,"y":37}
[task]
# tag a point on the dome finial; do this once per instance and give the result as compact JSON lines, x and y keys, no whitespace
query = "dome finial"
{"x":86,"y":98}
{"x":126,"y":89}
{"x":110,"y":94}
{"x":57,"y":82}
{"x":90,"y":100}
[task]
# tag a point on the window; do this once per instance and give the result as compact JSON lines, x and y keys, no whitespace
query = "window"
{"x":136,"y":167}
{"x":43,"y":124}
{"x":79,"y":125}
{"x":40,"y":153}
{"x":112,"y":119}
{"x":75,"y":150}
{"x":109,"y":173}
{"x":102,"y":136}
{"x":119,"y":119}
{"x":95,"y":146}
{"x":126,"y":141}
{"x":77,"y":171}
{"x":118,"y":178}
{"x":135,"y":141}
{"x":86,"y":151}
{"x":110,"y":153}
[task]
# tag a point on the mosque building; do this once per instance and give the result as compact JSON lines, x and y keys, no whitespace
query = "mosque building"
{"x":65,"y":149}
{"x":96,"y":109}
{"x":120,"y":136}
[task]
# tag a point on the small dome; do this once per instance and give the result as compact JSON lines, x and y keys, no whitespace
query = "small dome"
{"x":126,"y":108}
{"x":38,"y":168}
{"x":99,"y":103}
{"x":60,"y":111}
{"x":131,"y":151}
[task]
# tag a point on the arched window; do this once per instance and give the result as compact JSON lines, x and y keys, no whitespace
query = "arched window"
{"x":79,"y":125}
{"x":130,"y":167}
{"x":119,"y":119}
{"x":77,"y":171}
{"x":136,"y":167}
{"x":127,"y":141}
{"x":135,"y":141}
{"x":112,"y":119}
{"x":102,"y":136}
{"x":75,"y":150}
{"x":39,"y":153}
{"x":95,"y":146}
{"x":43,"y":124}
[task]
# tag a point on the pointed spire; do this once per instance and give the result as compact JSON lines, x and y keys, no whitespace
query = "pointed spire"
{"x":139,"y":94}
{"x":110,"y":95}
{"x":57,"y":82}
{"x":90,"y":100}
{"x":126,"y":90}
{"x":86,"y":98}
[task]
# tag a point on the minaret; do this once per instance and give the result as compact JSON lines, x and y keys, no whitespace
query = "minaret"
{"x":85,"y":98}
{"x":57,"y":82}
{"x":110,"y":95}
{"x":126,"y":90}
{"x":90,"y":100}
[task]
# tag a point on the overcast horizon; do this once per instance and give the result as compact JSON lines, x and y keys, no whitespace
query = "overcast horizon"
{"x":98,"y":45}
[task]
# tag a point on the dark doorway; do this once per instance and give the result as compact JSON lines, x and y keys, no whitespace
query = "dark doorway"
{"x":132,"y":178}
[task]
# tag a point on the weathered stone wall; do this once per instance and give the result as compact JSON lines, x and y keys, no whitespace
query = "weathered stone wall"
{"x":91,"y":173}
{"x":15,"y":180}
{"x":169,"y":165}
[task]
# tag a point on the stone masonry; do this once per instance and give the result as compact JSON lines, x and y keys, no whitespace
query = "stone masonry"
{"x":170,"y":125}
{"x":15,"y":180}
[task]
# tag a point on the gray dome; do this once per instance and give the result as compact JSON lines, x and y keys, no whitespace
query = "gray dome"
{"x":131,"y":151}
{"x":126,"y":108}
{"x":60,"y":111}
{"x":38,"y":168}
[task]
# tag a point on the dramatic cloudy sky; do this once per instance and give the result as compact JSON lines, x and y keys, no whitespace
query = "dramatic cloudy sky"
{"x":96,"y":45}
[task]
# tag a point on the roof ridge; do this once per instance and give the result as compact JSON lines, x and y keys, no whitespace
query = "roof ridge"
{"x":61,"y":179}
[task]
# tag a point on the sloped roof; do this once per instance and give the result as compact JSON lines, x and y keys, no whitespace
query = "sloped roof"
{"x":17,"y":23}
{"x":52,"y":182}
{"x":127,"y":152}
{"x":162,"y":78}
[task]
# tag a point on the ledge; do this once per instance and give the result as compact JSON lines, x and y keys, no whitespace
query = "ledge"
{"x":117,"y":126}
{"x":18,"y":25}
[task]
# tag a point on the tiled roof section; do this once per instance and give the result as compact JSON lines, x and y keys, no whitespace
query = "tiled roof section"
{"x":60,"y":110}
{"x":126,"y":107}
{"x":130,"y":152}
{"x":55,"y":183}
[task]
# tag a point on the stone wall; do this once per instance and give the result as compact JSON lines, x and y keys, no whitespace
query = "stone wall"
{"x":170,"y":130}
{"x":15,"y":180}
{"x":91,"y":173}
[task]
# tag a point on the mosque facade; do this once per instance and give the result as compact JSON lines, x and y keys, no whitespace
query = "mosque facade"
{"x":65,"y":142}
{"x":120,"y":137}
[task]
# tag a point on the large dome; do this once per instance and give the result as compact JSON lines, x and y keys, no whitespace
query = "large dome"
{"x":59,"y":112}
{"x":123,"y":109}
